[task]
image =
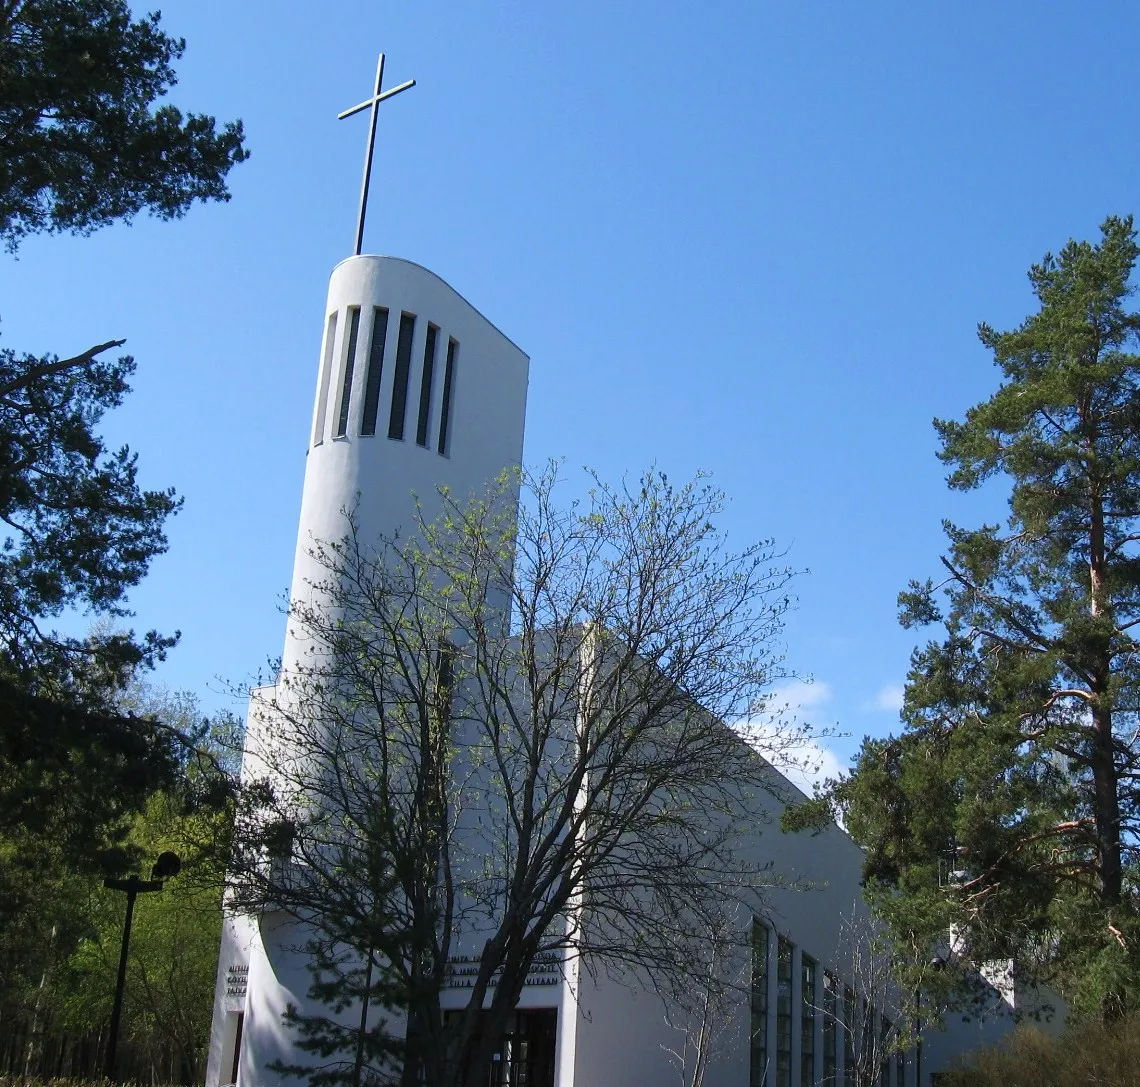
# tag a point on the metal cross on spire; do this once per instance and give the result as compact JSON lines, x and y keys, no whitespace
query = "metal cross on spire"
{"x":378,"y":96}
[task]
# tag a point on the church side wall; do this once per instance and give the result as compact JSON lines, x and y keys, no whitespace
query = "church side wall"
{"x":623,"y":1032}
{"x":624,"y":1035}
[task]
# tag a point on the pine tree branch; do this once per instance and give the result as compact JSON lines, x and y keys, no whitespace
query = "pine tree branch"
{"x":47,"y":369}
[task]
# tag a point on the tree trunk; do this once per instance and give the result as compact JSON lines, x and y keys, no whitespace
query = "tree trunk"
{"x":1106,"y":799}
{"x":35,"y":1038}
{"x":358,"y":1063}
{"x":475,"y":1056}
{"x":1106,"y":793}
{"x":1107,"y":808}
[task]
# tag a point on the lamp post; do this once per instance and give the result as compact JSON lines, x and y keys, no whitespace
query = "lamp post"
{"x":167,"y":865}
{"x":936,"y":963}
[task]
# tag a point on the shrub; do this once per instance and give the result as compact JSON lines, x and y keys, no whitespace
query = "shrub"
{"x":1087,"y":1055}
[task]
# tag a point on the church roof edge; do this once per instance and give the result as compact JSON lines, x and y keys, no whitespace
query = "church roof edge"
{"x":435,"y":275}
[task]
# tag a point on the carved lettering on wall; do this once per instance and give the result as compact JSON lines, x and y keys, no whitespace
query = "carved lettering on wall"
{"x":237,"y":980}
{"x":462,"y":970}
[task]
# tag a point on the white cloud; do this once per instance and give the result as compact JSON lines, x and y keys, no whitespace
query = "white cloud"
{"x":798,"y":695}
{"x":810,"y":763}
{"x":804,"y":760}
{"x":889,"y":697}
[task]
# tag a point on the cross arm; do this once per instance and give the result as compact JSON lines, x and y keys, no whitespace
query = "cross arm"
{"x":375,"y":99}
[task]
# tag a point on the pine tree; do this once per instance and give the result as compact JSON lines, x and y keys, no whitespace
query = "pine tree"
{"x":85,"y":143}
{"x":88,"y":140}
{"x":1008,"y":807}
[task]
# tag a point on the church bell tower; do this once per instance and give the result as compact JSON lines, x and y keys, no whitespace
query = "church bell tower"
{"x":416,"y":391}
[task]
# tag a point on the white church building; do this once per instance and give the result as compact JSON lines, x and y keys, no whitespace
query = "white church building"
{"x":417,"y":391}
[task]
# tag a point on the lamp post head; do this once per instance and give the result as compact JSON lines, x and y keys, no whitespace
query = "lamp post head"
{"x":168,"y":865}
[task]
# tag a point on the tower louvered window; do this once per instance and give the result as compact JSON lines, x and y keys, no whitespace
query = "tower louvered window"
{"x":444,"y":445}
{"x":346,"y":383}
{"x":375,"y":369}
{"x":326,"y":376}
{"x":425,"y":386}
{"x":401,"y":375}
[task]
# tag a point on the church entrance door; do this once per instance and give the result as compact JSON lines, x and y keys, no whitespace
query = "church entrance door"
{"x":525,"y":1056}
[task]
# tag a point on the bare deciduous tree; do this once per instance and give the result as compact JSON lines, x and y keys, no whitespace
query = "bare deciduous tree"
{"x":508,"y":738}
{"x":704,"y":1015}
{"x":882,"y":999}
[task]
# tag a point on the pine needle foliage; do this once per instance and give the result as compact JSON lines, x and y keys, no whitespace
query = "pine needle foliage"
{"x":86,"y":139}
{"x":1008,"y":809}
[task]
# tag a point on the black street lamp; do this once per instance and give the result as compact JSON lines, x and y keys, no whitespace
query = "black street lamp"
{"x":167,"y":865}
{"x":936,"y":963}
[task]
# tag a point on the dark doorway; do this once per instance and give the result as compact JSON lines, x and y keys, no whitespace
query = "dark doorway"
{"x":525,"y":1057}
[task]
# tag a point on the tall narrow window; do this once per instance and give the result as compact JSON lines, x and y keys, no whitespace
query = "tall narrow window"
{"x":830,"y":1013}
{"x":400,"y":377}
{"x":849,"y":1021}
{"x":758,"y":1052}
{"x":346,"y":384}
{"x":808,"y":1005}
{"x":425,"y":386}
{"x":375,"y":369}
{"x":445,"y":408}
{"x":783,"y":1013}
{"x":326,"y":375}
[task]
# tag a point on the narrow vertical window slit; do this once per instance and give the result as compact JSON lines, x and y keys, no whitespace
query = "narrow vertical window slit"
{"x":849,"y":1027}
{"x":375,"y":370}
{"x":758,"y":1049}
{"x":346,"y":384}
{"x":425,"y":386}
{"x":400,"y":376}
{"x":830,"y":1022}
{"x":884,"y":1052}
{"x":323,"y":388}
{"x":445,"y":408}
{"x":783,"y":1012}
{"x":808,"y":1004}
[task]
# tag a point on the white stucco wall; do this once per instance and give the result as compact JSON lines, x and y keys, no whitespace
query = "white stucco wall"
{"x":379,"y":476}
{"x":623,"y":1035}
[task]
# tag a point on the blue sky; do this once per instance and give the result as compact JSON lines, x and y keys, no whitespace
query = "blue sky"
{"x":749,"y":238}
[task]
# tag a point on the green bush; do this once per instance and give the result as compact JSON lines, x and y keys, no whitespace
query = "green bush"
{"x":1090,"y":1055}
